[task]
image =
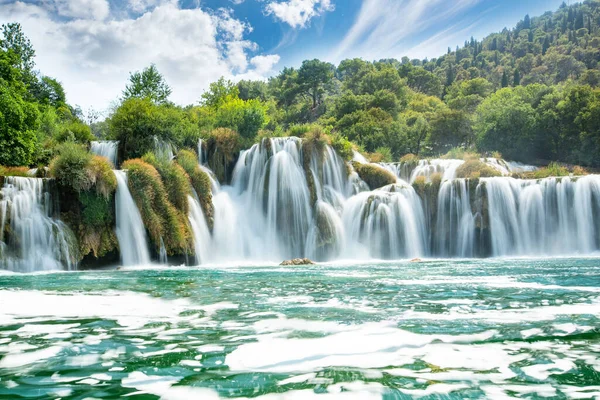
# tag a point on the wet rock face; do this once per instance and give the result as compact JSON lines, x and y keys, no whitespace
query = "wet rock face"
{"x":298,"y":261}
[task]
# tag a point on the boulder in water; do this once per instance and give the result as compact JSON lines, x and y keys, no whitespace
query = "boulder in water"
{"x":416,"y":260}
{"x":298,"y":261}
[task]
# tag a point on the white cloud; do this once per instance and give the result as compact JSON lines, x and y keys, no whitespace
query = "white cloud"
{"x":297,"y":13}
{"x":89,"y":9}
{"x":383,"y":26}
{"x":93,"y":58}
{"x":140,"y":6}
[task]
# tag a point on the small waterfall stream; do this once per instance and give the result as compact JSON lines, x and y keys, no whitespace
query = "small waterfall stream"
{"x":130,"y":228}
{"x":106,"y":148}
{"x":31,"y":238}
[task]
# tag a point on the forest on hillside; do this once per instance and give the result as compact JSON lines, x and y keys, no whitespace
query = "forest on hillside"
{"x":530,"y":93}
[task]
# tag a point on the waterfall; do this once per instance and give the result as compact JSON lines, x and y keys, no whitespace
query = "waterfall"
{"x":31,"y":239}
{"x":106,"y":148}
{"x":283,"y":203}
{"x":130,"y":228}
{"x":455,"y":222}
{"x":202,"y":239}
{"x":547,"y":217}
{"x":387,"y":223}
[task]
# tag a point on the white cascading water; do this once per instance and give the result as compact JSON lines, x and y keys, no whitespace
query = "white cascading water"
{"x":552,"y":216}
{"x":268,"y":214}
{"x":131,"y":232}
{"x":454,"y":231}
{"x":37,"y":241}
{"x":106,"y":148}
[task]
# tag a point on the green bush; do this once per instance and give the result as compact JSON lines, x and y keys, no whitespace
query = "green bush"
{"x":410,"y":159}
{"x":176,"y":180}
{"x":74,"y":131}
{"x":96,"y":210}
{"x":374,"y":175}
{"x":553,"y":169}
{"x":14,"y":171}
{"x":473,"y":169}
{"x":70,"y":167}
{"x":223,"y":147}
{"x":384,"y":154}
{"x":342,"y":146}
{"x":187,"y":159}
{"x":315,"y":141}
{"x":459,"y":153}
{"x":102,"y":176}
{"x":160,"y":217}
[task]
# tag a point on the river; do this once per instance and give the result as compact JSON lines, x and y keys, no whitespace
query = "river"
{"x":496,"y":328}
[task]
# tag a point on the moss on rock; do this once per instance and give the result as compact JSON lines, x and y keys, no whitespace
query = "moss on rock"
{"x":472,"y":169}
{"x":374,"y":175}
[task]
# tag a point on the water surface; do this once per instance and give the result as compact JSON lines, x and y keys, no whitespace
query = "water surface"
{"x":438,"y":329}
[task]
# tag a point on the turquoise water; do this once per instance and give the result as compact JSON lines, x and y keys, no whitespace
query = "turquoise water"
{"x":437,"y":329}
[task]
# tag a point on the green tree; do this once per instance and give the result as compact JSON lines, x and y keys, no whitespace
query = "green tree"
{"x":506,"y":123}
{"x":14,"y":39}
{"x":219,"y":92}
{"x":314,"y":76}
{"x":148,"y":84}
{"x":18,"y":117}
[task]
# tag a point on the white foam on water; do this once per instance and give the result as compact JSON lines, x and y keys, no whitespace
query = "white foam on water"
{"x":370,"y":345}
{"x":129,"y":309}
{"x":544,"y":313}
{"x":19,"y":360}
{"x":163,"y":386}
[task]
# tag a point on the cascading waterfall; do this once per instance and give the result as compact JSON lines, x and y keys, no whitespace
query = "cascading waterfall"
{"x":273,"y":212}
{"x":31,"y":238}
{"x":552,"y":216}
{"x":106,"y":148}
{"x":455,"y":221}
{"x":386,"y":223}
{"x":131,"y":233}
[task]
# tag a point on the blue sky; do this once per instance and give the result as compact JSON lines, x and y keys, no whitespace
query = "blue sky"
{"x":91,"y":46}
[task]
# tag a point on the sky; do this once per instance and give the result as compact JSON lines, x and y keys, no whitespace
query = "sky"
{"x":92,"y":46}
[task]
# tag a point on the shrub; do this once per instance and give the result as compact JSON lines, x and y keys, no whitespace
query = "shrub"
{"x":342,"y":146}
{"x":70,"y":167}
{"x":476,"y":169}
{"x":160,"y":217}
{"x":579,"y":171}
{"x":14,"y":171}
{"x":459,"y":153}
{"x":96,"y":210}
{"x":176,"y":180}
{"x":102,"y":176}
{"x":384,"y":154}
{"x":223,"y":146}
{"x":409,"y":159}
{"x":315,"y":141}
{"x":200,"y":182}
{"x":374,"y":175}
{"x":75,"y":131}
{"x":553,"y":169}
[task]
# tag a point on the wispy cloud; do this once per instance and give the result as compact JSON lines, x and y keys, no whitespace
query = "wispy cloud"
{"x":298,"y":13}
{"x":383,"y":27}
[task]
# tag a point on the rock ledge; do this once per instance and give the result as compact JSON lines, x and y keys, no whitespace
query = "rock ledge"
{"x":298,"y":261}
